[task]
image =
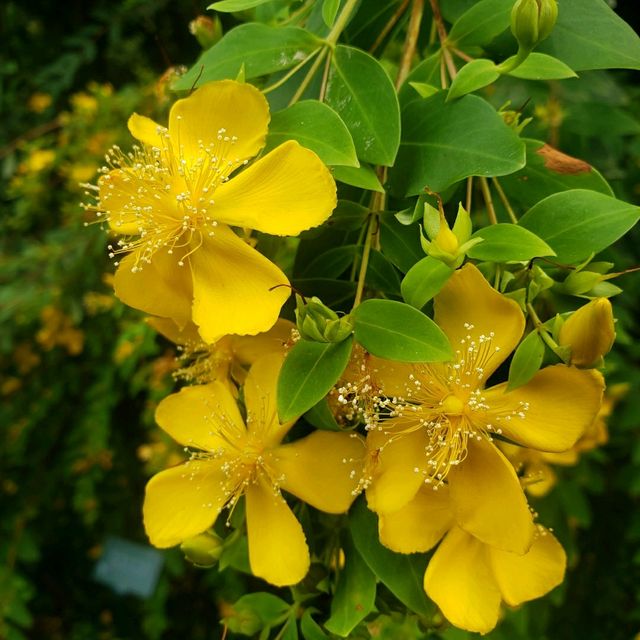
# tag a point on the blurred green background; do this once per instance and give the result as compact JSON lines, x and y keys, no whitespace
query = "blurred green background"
{"x":80,"y":374}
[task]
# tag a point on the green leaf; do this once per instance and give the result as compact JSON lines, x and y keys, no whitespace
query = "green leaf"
{"x":577,"y":223}
{"x":363,"y":95}
{"x":540,"y":66}
{"x":363,"y":177}
{"x":426,"y":73}
{"x":332,"y":263}
{"x":481,"y":23}
{"x":329,"y":11}
{"x":228,"y":6}
{"x":504,"y":242}
{"x":396,"y":331}
{"x":424,"y":280}
{"x":315,"y":126}
{"x":473,"y":76}
{"x":308,"y":373}
{"x":443,"y":143}
{"x":549,"y":171}
{"x":424,"y":90}
{"x":311,"y":630}
{"x":382,"y":275}
{"x":320,"y":417}
{"x":348,"y":215}
{"x":589,"y":35}
{"x":260,"y":48}
{"x":400,"y":243}
{"x":355,"y":593}
{"x":402,"y":574}
{"x":526,"y":360}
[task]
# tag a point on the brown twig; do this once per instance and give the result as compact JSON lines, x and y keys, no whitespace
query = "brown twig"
{"x":486,"y":193}
{"x":442,"y":35}
{"x":411,"y":41}
{"x":390,"y":24}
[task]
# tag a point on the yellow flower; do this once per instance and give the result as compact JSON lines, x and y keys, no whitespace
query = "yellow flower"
{"x":589,"y":332}
{"x":231,"y":460}
{"x":466,"y":578}
{"x":38,"y":160}
{"x":39,"y":102}
{"x":175,"y":199}
{"x":443,"y":420}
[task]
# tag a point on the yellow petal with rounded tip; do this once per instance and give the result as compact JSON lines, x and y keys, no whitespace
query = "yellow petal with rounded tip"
{"x":284,"y":193}
{"x":397,"y":476}
{"x":468,"y":307}
{"x":420,"y":524}
{"x":523,"y":578}
{"x":183,"y":501}
{"x":203,"y":416}
{"x":147,"y":131}
{"x":161,"y":287}
{"x":278,"y":550}
{"x":233,"y":287}
{"x":199,"y":124}
{"x":323,"y":469}
{"x":551,"y":411}
{"x":260,"y":399}
{"x":460,"y":581}
{"x":488,"y":501}
{"x":590,"y":332}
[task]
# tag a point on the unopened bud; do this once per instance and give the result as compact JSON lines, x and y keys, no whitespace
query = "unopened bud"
{"x":532,"y":21}
{"x":589,"y":332}
{"x":203,"y":550}
{"x":319,"y":323}
{"x":206,"y":30}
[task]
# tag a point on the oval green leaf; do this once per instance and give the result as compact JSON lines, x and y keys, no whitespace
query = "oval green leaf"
{"x":363,"y":177}
{"x":504,"y":242}
{"x":396,"y":331}
{"x":308,"y":373}
{"x":481,"y":23}
{"x":424,"y":280}
{"x":577,"y":223}
{"x":526,"y":361}
{"x":444,"y":142}
{"x":400,"y":243}
{"x":260,"y":48}
{"x":315,"y":126}
{"x":540,"y":66}
{"x":473,"y":76}
{"x":228,"y":6}
{"x":362,"y":94}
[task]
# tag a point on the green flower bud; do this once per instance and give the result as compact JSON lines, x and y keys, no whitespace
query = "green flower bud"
{"x":203,"y":550}
{"x":318,"y":323}
{"x":532,"y":21}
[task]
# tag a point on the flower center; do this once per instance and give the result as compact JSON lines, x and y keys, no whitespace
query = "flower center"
{"x":452,"y":405}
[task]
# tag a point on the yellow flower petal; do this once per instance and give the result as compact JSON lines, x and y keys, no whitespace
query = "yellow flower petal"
{"x":460,"y":581}
{"x":284,"y":193}
{"x":397,"y":476}
{"x":183,"y":501}
{"x":118,"y":196}
{"x":233,"y":287}
{"x":322,"y":469}
{"x":203,"y":416}
{"x":590,"y":332}
{"x":468,"y":299}
{"x":260,"y":400}
{"x":558,"y":404}
{"x":523,"y":578}
{"x":278,"y":550}
{"x":171,"y":331}
{"x":248,"y":349}
{"x":146,"y":131}
{"x":392,"y":378}
{"x":420,"y":524}
{"x":488,"y":501}
{"x":215,"y":113}
{"x":160,"y":288}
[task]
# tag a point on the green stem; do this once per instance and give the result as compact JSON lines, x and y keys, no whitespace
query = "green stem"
{"x":364,"y":262}
{"x":341,"y":22}
{"x":513,"y":62}
{"x":309,"y":77}
{"x":486,"y":194}
{"x":505,"y":200}
{"x":291,"y":72}
{"x":543,"y":333}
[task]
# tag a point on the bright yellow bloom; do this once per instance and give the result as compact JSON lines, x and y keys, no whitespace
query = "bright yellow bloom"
{"x":466,"y":578}
{"x":177,"y":196}
{"x":589,"y":332}
{"x":230,"y":459}
{"x":444,"y":421}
